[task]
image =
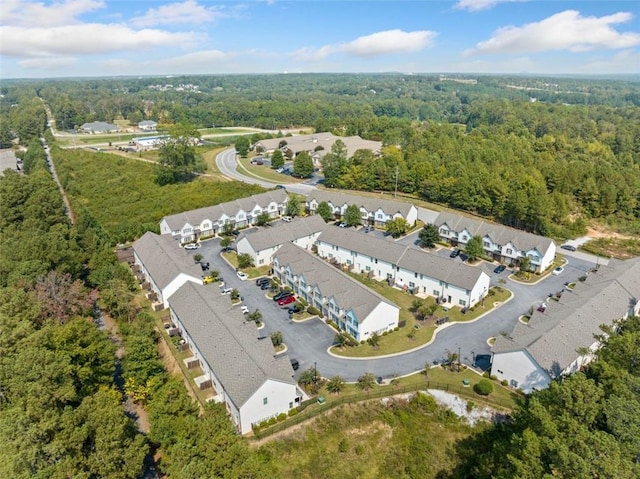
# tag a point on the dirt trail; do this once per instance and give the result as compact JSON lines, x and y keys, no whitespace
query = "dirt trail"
{"x":173,"y":368}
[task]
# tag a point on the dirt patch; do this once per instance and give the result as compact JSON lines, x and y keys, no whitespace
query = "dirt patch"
{"x":596,"y":232}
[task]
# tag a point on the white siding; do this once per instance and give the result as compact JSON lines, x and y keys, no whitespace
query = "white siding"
{"x":383,"y":318}
{"x":520,"y":370}
{"x":280,"y":397}
{"x":175,"y":284}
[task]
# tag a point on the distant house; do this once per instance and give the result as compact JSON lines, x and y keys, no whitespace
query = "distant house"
{"x":261,"y":245}
{"x":254,"y":384}
{"x":146,"y":143}
{"x":210,"y":221}
{"x":560,"y":340}
{"x":353,"y":307}
{"x":507,"y":245}
{"x":163,"y":265}
{"x":99,"y":127}
{"x":450,"y":282}
{"x":317,"y":145}
{"x":148,"y":125}
{"x":374,"y":211}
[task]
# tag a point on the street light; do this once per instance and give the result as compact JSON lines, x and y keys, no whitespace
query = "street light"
{"x":315,"y":372}
{"x":459,"y":359}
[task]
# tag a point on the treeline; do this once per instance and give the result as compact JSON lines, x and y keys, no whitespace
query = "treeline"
{"x":583,"y":427}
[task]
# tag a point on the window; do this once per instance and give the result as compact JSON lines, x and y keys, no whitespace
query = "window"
{"x":415,"y":275}
{"x":462,"y":302}
{"x":509,"y":251}
{"x":261,"y":261}
{"x":514,"y":383}
{"x":265,"y":400}
{"x":291,"y":405}
{"x":436,"y":292}
{"x":412,"y":285}
{"x":443,"y":231}
{"x":486,"y":244}
{"x":368,"y":268}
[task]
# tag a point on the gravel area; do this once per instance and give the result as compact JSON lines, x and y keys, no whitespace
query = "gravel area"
{"x":459,"y":407}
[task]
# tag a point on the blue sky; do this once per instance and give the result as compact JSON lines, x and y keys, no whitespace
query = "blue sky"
{"x":63,"y":38}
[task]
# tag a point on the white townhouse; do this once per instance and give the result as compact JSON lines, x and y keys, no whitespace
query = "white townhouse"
{"x":164,"y":265}
{"x":374,"y":211}
{"x":261,"y":245}
{"x":209,"y":221}
{"x":353,"y":307}
{"x":560,"y":340}
{"x":148,"y":125}
{"x":450,"y":282}
{"x":317,"y":145}
{"x":253,"y":382}
{"x":504,"y":244}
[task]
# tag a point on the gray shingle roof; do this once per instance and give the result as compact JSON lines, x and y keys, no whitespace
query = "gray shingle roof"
{"x":228,"y":343}
{"x":284,"y":232}
{"x":371,"y":204}
{"x":326,"y":140}
{"x":553,"y":337}
{"x":99,"y":126}
{"x":333,"y":283}
{"x":499,"y":234}
{"x":195,"y":217}
{"x":407,"y":257}
{"x":164,"y":259}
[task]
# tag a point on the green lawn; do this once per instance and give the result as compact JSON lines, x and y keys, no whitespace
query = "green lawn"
{"x":264,"y":172}
{"x":253,"y":271}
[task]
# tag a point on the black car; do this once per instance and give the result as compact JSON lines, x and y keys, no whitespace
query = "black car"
{"x":261,"y":281}
{"x":282,"y":294}
{"x":455,"y":253}
{"x":264,"y":286}
{"x":500,"y":269}
{"x":295,"y":364}
{"x":568,"y":247}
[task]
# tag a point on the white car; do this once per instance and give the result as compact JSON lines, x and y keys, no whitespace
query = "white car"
{"x":191,"y":246}
{"x":226,"y":291}
{"x":245,"y":309}
{"x":243,"y":276}
{"x":558,"y":270}
{"x":287,"y":219}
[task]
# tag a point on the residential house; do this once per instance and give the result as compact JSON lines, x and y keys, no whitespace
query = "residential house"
{"x":246,"y":375}
{"x":163,"y":266}
{"x":148,"y":125}
{"x":450,"y":282}
{"x":504,"y":244}
{"x":317,"y":145}
{"x":375,"y":211}
{"x":209,"y":221}
{"x":261,"y":245}
{"x":353,"y":307}
{"x":560,"y":340}
{"x":99,"y":127}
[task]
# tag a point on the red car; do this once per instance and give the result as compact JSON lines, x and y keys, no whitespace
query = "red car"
{"x":287,"y":300}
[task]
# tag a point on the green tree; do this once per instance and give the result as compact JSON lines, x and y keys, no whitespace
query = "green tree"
{"x":245,"y":260}
{"x":397,"y":227}
{"x":474,"y":248}
{"x":335,"y":384}
{"x":178,"y":159}
{"x":293,"y":206}
{"x":335,"y":164}
{"x":484,"y":387}
{"x":263,"y":218}
{"x":277,"y":160}
{"x":352,"y":215}
{"x":276,"y":338}
{"x":429,"y":236}
{"x":255,"y":316}
{"x":242,"y":146}
{"x":303,"y":165}
{"x":366,"y":381}
{"x":226,"y":242}
{"x":324,"y":211}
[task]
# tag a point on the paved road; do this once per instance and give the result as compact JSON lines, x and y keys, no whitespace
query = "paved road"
{"x":308,"y":341}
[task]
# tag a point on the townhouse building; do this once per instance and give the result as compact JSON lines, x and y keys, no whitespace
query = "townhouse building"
{"x":504,"y":244}
{"x":261,"y":245}
{"x":208,"y":222}
{"x":450,"y":282}
{"x":374,"y":211}
{"x":245,"y":374}
{"x":353,"y":307}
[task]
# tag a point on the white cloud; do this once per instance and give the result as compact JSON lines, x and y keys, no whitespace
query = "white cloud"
{"x":188,"y":12}
{"x":29,"y":14}
{"x":84,"y":39}
{"x":49,"y":63}
{"x":477,"y":5}
{"x":376,"y":44}
{"x":566,"y":30}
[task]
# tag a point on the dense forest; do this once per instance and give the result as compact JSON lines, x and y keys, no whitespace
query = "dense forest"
{"x":478,"y":144}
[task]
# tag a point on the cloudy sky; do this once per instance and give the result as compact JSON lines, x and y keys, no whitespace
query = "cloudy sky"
{"x":63,"y":38}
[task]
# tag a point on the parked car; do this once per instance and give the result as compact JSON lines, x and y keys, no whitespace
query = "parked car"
{"x":282,"y":294}
{"x":295,"y":364}
{"x":286,"y":300}
{"x":263,"y":280}
{"x":342,"y":225}
{"x":226,"y":291}
{"x":242,"y":275}
{"x":264,"y":286}
{"x":208,"y":279}
{"x":569,"y":247}
{"x":245,"y":309}
{"x":191,"y":246}
{"x":500,"y":269}
{"x":558,"y":270}
{"x":455,"y":253}
{"x":287,"y":219}
{"x":542,"y":308}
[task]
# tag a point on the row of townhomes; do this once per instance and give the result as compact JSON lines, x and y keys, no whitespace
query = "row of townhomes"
{"x":261,"y":245}
{"x":208,"y":222}
{"x":560,"y":340}
{"x":241,"y":370}
{"x":375,"y":211}
{"x":450,"y":282}
{"x":353,"y":307}
{"x":254,"y":384}
{"x":317,"y":145}
{"x":507,"y":245}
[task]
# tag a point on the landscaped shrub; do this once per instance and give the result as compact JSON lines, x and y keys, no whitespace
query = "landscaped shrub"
{"x":293,"y":412}
{"x":484,"y":387}
{"x":282,"y":416}
{"x":272,"y":421}
{"x":486,"y":374}
{"x":504,"y":382}
{"x":313,"y":310}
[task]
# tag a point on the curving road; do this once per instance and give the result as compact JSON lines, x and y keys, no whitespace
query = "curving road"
{"x":309,"y":341}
